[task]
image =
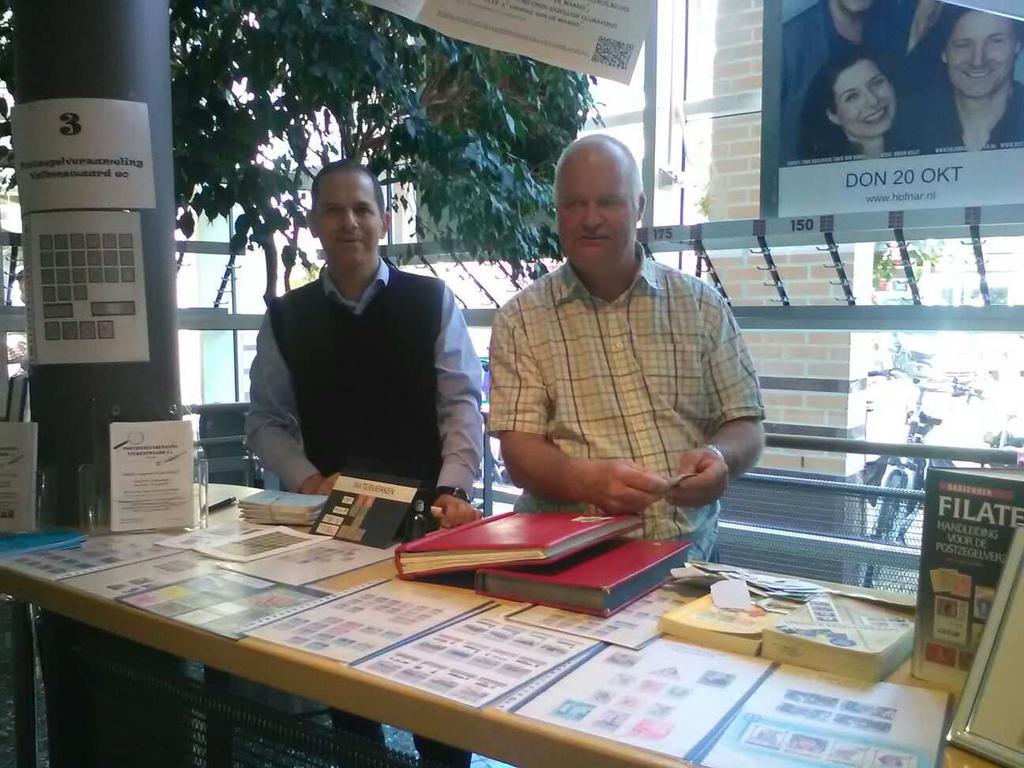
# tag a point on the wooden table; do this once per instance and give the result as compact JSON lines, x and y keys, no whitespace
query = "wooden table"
{"x":504,"y":736}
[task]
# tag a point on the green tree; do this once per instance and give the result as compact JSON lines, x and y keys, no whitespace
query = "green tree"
{"x":924,"y":256}
{"x":265,"y":91}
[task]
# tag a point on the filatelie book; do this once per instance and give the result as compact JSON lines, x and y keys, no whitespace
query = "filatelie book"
{"x":969,"y":519}
{"x":366,"y":510}
{"x":599,"y":580}
{"x":515,"y":538}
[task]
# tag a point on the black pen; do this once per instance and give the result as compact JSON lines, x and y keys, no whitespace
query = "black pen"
{"x":223,"y":503}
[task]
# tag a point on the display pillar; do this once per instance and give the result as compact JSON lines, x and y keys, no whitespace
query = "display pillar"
{"x":116,"y":50}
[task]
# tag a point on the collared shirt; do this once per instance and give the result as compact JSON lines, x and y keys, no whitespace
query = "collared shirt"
{"x":645,"y":377}
{"x":272,"y":427}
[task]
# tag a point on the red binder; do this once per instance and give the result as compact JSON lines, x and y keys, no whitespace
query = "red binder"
{"x":509,"y":539}
{"x":599,"y":581}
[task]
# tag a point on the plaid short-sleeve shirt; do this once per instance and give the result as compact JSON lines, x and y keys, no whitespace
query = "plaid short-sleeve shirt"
{"x":645,"y":377}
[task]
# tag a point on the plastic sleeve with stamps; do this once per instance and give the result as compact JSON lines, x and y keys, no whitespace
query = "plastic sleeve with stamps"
{"x":108,"y":308}
{"x":71,"y":264}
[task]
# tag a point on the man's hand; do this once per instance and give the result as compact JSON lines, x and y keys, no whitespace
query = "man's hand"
{"x":708,"y":483}
{"x":318,"y":485}
{"x":618,"y":487}
{"x":453,"y":511}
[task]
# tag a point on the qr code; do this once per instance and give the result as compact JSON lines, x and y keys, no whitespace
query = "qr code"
{"x":614,"y":53}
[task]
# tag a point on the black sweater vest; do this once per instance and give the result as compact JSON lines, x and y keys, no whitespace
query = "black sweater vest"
{"x":366,"y":386}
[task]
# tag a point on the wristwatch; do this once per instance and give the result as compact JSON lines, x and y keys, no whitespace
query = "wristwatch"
{"x":717,"y":451}
{"x":451,"y":490}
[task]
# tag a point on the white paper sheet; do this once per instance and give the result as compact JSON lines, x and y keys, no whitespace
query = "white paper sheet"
{"x":96,"y":554}
{"x":106,"y":318}
{"x":478,"y":659}
{"x":325,"y":558}
{"x":593,"y":36}
{"x":83,"y":153}
{"x":808,"y":718}
{"x":151,"y":475}
{"x":17,"y":476}
{"x":139,"y":577}
{"x":371,"y":620}
{"x":665,"y":698}
{"x":631,"y":627}
{"x":262,"y":542}
{"x":731,"y":595}
{"x":229,"y":604}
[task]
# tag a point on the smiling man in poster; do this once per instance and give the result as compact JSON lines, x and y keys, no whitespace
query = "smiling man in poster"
{"x":980,"y":105}
{"x":927,"y":115}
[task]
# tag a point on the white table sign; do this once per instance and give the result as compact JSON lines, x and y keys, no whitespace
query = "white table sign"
{"x":17,"y":476}
{"x":83,"y":153}
{"x":151,"y":475}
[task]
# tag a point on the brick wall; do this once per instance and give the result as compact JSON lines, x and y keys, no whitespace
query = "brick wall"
{"x":812,"y":379}
{"x":734,"y":189}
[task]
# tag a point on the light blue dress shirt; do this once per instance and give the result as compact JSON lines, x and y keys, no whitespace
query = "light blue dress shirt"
{"x":272,"y":426}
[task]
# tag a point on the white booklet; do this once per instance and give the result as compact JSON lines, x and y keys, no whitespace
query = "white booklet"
{"x":478,"y":659}
{"x":97,"y":553}
{"x":229,"y":604}
{"x":320,"y":560}
{"x":801,"y":717}
{"x":262,"y":542}
{"x":632,"y":627}
{"x":138,"y":577}
{"x":371,"y":619}
{"x":665,"y":698}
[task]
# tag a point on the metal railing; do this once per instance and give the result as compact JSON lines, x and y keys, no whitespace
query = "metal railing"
{"x":993,"y":456}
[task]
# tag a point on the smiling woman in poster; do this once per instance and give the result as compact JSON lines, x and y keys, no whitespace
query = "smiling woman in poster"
{"x":850,"y":110}
{"x":978,"y":105}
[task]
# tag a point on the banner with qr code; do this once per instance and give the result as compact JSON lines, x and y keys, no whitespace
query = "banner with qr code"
{"x":598,"y":37}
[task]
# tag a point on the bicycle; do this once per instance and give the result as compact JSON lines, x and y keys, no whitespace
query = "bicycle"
{"x":897,"y":515}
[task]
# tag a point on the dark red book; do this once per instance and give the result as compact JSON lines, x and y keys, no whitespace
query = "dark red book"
{"x":599,"y":580}
{"x":510,"y":539}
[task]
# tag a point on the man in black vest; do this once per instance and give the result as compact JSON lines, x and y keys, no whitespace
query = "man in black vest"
{"x":368,"y":369}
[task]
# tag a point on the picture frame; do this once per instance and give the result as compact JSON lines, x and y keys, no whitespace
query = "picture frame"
{"x":987,"y":719}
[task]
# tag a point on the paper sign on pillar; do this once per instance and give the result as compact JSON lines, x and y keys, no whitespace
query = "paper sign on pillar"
{"x":17,"y":476}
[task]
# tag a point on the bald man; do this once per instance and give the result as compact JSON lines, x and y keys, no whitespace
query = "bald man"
{"x":613,"y":375}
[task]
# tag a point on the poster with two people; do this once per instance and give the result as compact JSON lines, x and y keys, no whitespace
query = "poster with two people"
{"x":887,"y":105}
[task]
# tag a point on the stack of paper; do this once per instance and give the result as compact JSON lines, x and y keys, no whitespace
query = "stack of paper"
{"x":762,"y":584}
{"x":863,"y":641}
{"x":281,"y":508}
